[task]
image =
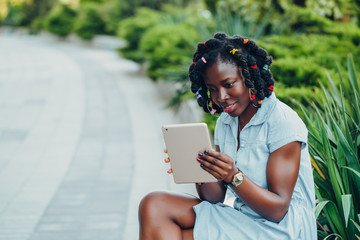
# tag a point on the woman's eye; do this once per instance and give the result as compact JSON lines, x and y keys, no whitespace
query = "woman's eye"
{"x":229,"y":85}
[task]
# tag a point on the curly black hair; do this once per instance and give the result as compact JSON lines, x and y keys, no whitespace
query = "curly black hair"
{"x":253,"y":60}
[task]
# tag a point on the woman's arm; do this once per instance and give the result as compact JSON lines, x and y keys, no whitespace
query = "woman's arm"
{"x":281,"y":173}
{"x":212,"y":192}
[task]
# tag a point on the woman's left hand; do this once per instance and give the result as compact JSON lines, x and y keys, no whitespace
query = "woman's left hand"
{"x":218,"y":164}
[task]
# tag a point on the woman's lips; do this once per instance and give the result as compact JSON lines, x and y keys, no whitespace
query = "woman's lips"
{"x":229,"y":108}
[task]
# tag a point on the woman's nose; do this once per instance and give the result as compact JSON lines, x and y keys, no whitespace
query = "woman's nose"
{"x":223,"y":95}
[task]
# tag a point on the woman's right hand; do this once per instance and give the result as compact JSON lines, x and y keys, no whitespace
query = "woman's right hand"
{"x":167,"y":160}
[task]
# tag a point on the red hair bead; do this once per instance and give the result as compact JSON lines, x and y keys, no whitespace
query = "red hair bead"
{"x":271,"y":88}
{"x":254,"y":66}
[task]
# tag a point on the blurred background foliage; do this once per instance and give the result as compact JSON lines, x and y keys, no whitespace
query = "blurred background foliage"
{"x":309,"y":40}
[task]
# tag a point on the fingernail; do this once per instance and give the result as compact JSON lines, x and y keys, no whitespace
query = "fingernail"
{"x":200,"y":154}
{"x":198,"y":159}
{"x":201,"y":165}
{"x":206,"y":151}
{"x":170,"y":171}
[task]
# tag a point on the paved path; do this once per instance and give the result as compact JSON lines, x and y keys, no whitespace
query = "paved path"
{"x":80,"y":141}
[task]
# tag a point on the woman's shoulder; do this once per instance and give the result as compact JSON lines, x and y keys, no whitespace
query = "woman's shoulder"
{"x":285,"y":126}
{"x":284,"y":115}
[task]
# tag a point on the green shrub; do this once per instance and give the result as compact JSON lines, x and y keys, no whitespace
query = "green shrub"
{"x":36,"y":25}
{"x":168,"y":47}
{"x":334,"y":145}
{"x":110,"y":12}
{"x":60,"y":20}
{"x":89,"y":22}
{"x":132,"y":29}
{"x":297,"y":71}
{"x":300,"y":59}
{"x":345,"y":32}
{"x":306,"y":20}
{"x":16,"y":15}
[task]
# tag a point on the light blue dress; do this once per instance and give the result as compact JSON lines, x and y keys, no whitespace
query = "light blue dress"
{"x":273,"y":126}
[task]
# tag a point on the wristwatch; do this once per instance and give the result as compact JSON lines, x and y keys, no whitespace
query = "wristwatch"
{"x":238,"y":179}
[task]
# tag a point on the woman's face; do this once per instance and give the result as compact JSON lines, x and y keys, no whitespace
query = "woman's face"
{"x":227,"y":88}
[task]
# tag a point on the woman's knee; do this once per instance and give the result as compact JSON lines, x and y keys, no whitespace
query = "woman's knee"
{"x":153,"y":204}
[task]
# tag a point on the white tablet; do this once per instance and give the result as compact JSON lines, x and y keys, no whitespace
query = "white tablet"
{"x":183,"y":143}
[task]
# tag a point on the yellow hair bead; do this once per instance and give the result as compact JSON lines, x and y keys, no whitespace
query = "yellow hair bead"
{"x":233,"y":51}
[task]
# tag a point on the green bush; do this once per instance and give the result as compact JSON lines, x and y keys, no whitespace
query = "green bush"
{"x":36,"y":25}
{"x":299,"y":59}
{"x":334,"y":144}
{"x":110,"y":12}
{"x":297,"y":71}
{"x":306,"y":20}
{"x":60,"y":20}
{"x":16,"y":15}
{"x":132,"y":30}
{"x":168,"y":47}
{"x":89,"y":22}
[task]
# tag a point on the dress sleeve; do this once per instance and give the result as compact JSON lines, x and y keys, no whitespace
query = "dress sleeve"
{"x":286,"y":127}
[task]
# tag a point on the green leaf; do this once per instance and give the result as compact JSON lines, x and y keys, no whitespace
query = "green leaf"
{"x":350,"y":154}
{"x":319,"y":207}
{"x":346,"y":203}
{"x":355,"y":224}
{"x":352,"y":75}
{"x":333,"y":217}
{"x":354,"y":171}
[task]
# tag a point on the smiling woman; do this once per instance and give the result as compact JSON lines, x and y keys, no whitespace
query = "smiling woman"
{"x":261,"y":156}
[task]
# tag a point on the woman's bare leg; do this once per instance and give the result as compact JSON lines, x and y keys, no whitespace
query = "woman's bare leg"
{"x":165,"y":215}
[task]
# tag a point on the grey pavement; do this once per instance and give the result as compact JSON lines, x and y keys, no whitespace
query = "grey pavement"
{"x":80,"y":140}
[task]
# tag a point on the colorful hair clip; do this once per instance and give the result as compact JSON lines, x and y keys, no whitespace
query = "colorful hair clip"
{"x":203,"y":59}
{"x":266,"y":67}
{"x":252,"y":90}
{"x":246,"y":41}
{"x":271,"y":88}
{"x":205,"y":44}
{"x":233,"y":51}
{"x":198,"y":95}
{"x":195,"y":63}
{"x":260,"y":102}
{"x":255,"y":66}
{"x":212,"y":111}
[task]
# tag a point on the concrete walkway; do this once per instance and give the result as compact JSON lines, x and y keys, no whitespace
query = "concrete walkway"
{"x":80,"y":141}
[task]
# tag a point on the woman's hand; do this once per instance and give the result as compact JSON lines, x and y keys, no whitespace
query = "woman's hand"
{"x":218,"y":164}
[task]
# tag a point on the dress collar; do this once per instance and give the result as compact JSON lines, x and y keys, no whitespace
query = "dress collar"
{"x":261,"y":114}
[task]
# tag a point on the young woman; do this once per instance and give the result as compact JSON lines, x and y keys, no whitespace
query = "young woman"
{"x":261,"y":156}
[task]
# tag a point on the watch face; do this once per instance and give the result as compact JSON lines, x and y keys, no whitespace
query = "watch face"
{"x":238,"y":179}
